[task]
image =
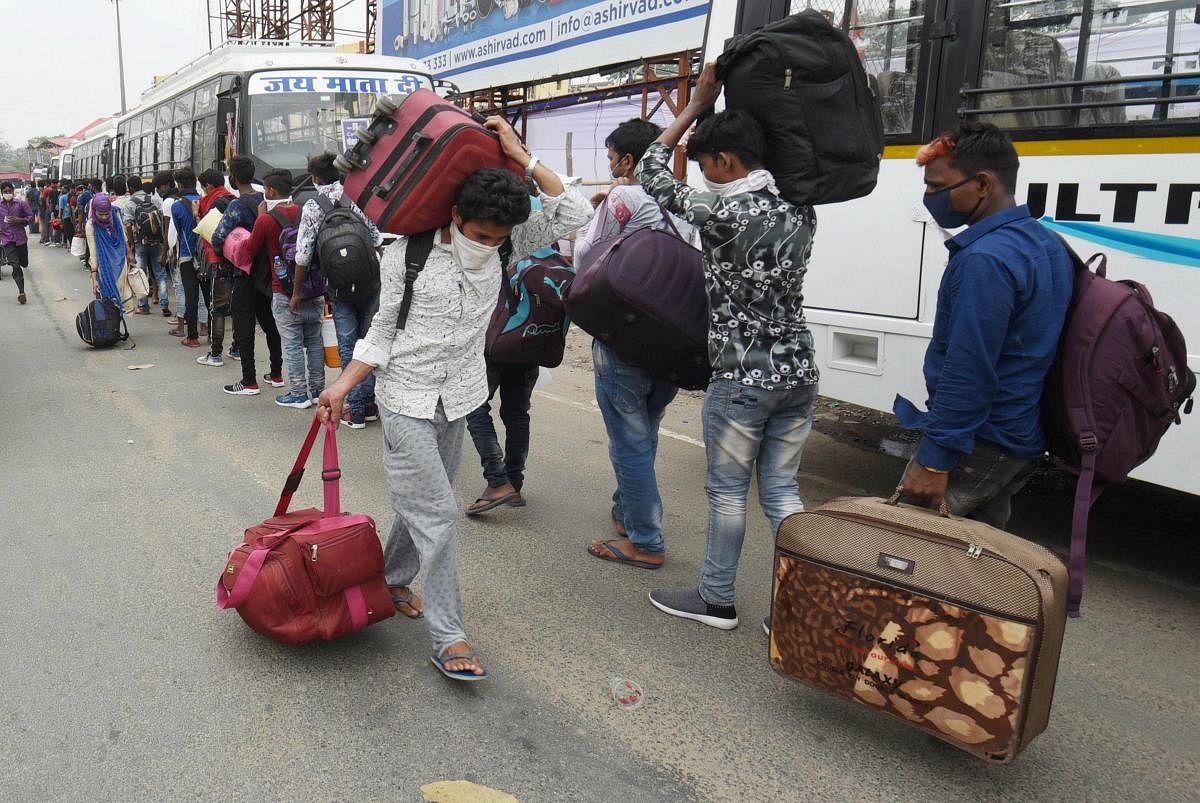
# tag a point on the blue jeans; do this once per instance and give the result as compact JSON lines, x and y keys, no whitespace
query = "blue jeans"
{"x":352,"y":322}
{"x":633,"y":404}
{"x":148,"y":260}
{"x":745,"y":427}
{"x":301,"y":335}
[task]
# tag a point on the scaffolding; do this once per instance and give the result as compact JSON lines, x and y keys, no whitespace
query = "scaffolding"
{"x":275,"y":20}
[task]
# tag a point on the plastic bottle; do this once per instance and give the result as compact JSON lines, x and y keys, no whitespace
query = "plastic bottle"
{"x":280,"y":269}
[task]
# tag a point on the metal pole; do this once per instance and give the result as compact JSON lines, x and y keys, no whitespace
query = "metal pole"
{"x":120,"y":54}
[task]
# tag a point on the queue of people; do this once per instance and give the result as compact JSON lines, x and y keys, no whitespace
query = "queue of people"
{"x":1001,"y":306}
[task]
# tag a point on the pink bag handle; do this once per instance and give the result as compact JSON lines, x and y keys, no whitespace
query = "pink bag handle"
{"x":330,"y":472}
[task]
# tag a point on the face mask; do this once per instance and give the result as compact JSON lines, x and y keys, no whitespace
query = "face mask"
{"x":754,"y":181}
{"x":943,"y":212}
{"x":470,"y":255}
{"x":272,"y":204}
{"x":8,"y":196}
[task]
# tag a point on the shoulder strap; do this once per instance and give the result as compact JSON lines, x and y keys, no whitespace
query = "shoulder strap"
{"x":1085,"y":497}
{"x":281,"y":219}
{"x":667,"y":219}
{"x":416,"y":254}
{"x":324,"y":203}
{"x":508,"y":292}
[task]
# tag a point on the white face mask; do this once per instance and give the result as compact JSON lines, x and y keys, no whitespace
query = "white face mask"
{"x":754,"y":181}
{"x":8,"y":196}
{"x":271,"y":204}
{"x":470,"y":255}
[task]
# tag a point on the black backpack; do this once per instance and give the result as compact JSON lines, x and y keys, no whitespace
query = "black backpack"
{"x":345,"y":253}
{"x":147,"y":222}
{"x":803,"y":80}
{"x":101,"y":324}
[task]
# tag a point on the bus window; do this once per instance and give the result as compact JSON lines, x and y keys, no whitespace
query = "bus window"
{"x":887,"y":34}
{"x":183,"y":108}
{"x":204,"y":144}
{"x":1037,"y":42}
{"x":163,"y":161}
{"x":183,"y":145}
{"x":206,"y":100}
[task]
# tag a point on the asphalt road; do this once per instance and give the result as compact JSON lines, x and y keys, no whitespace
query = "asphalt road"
{"x":123,"y":490}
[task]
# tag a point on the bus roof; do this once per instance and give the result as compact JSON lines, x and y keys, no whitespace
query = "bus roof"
{"x":242,"y":57}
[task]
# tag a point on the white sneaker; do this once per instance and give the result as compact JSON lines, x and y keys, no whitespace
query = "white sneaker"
{"x":210,"y":359}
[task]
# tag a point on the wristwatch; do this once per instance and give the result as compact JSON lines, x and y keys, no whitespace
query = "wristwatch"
{"x":529,"y":168}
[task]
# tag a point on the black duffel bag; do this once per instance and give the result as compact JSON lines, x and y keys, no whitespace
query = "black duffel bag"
{"x":802,"y":79}
{"x":101,"y":324}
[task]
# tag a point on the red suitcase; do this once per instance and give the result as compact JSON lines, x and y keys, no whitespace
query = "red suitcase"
{"x":310,"y":574}
{"x":409,"y":162}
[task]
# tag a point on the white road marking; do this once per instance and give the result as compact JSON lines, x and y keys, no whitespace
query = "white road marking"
{"x":593,"y":408}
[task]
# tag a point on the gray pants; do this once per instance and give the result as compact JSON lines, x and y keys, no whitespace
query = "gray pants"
{"x":420,"y":460}
{"x":984,"y":482}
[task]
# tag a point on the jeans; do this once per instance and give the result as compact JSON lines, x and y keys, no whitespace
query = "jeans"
{"x":250,"y":307}
{"x":633,"y":403}
{"x":148,"y":259}
{"x":745,"y":427}
{"x":220,"y":298}
{"x":504,"y":466}
{"x":983,"y":483}
{"x":45,"y":227}
{"x":301,"y":336}
{"x":352,"y":322}
{"x":192,"y":288}
{"x":180,"y":295}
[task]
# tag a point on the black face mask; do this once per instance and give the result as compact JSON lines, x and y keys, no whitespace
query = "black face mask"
{"x":943,"y":212}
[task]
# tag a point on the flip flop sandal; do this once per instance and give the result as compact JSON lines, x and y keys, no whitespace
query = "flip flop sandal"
{"x":440,"y":662}
{"x":518,"y":501}
{"x":406,"y":599}
{"x":492,"y":504}
{"x":617,"y":556}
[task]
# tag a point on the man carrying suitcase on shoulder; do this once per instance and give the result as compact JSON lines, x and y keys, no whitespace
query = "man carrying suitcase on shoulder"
{"x":758,"y":407}
{"x":432,"y":374}
{"x":1000,"y":310}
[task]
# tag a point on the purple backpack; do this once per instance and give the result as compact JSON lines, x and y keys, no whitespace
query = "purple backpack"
{"x":1118,"y":383}
{"x":314,"y":283}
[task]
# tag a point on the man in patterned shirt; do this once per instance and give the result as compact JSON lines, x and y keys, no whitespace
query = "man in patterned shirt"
{"x":758,"y":408}
{"x":432,"y":374}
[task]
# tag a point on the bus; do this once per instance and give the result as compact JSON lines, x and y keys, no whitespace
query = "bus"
{"x":1100,"y":99}
{"x":279,"y":103}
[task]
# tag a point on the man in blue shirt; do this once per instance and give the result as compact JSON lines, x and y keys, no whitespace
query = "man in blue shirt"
{"x":1000,"y":311}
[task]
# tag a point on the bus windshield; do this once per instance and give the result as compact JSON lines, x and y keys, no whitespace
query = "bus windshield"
{"x":295,"y":114}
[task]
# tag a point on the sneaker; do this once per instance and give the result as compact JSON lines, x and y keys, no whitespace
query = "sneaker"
{"x":238,"y":389}
{"x":371,"y":413}
{"x":355,"y":420}
{"x":690,"y":605}
{"x":234,"y":354}
{"x":166,"y":312}
{"x":274,"y":381}
{"x":190,"y":343}
{"x":211,"y":359}
{"x":297,"y":400}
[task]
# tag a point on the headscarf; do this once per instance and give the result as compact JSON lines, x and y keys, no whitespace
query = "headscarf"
{"x":102,"y":203}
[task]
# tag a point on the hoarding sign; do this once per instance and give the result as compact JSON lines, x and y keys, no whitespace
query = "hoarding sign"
{"x":484,"y":43}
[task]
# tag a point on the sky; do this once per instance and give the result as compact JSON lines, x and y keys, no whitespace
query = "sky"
{"x":59,"y":66}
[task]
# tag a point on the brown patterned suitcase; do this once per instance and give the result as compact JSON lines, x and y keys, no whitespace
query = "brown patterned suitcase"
{"x":945,"y":623}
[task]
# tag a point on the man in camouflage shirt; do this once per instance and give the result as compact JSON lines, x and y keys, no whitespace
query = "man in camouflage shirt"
{"x":758,"y":408}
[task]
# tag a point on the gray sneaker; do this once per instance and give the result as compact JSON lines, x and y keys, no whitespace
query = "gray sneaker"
{"x":213,"y":360}
{"x":690,"y":605}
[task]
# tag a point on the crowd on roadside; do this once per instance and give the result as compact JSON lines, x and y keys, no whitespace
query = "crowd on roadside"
{"x":412,"y":354}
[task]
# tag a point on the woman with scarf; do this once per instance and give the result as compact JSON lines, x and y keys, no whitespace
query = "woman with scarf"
{"x":109,"y":253}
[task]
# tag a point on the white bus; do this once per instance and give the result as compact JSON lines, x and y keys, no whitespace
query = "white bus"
{"x":279,"y":103}
{"x":1100,"y":97}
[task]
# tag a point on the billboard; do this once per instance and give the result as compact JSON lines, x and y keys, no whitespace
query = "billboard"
{"x":485,"y":43}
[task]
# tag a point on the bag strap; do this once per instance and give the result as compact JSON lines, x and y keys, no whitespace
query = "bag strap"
{"x":331,"y":473}
{"x":281,"y":219}
{"x":324,"y":203}
{"x":667,"y":219}
{"x":416,"y":254}
{"x":507,"y":292}
{"x":1085,"y":496}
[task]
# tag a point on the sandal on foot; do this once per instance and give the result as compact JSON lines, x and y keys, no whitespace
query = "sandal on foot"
{"x":440,"y":662}
{"x":518,"y":501}
{"x":617,"y":556}
{"x":492,"y":504}
{"x":406,"y":599}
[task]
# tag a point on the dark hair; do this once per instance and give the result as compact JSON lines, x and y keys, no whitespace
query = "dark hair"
{"x":983,"y":146}
{"x":212,"y":178}
{"x":97,"y":185}
{"x":321,"y":167}
{"x":134,"y":182}
{"x":163,"y":178}
{"x":186,"y":177}
{"x":8,"y":185}
{"x":633,"y":137}
{"x":494,"y":196}
{"x":241,"y":170}
{"x":118,"y":186}
{"x":279,"y":180}
{"x":731,"y":131}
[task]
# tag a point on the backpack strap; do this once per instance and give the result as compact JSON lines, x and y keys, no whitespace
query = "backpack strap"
{"x":324,"y":203}
{"x":416,"y":254}
{"x":506,"y":289}
{"x":1085,"y":496}
{"x":667,"y":219}
{"x":281,"y":219}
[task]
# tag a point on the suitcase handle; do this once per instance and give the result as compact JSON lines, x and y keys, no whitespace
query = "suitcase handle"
{"x":420,"y":140}
{"x":894,"y":500}
{"x":331,"y":473}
